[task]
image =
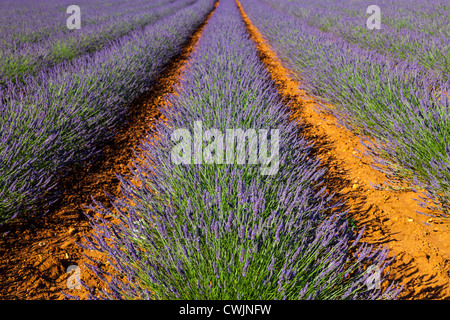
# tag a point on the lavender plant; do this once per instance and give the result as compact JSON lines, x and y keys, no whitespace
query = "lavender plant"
{"x":410,"y":30}
{"x":42,"y":51}
{"x":225,"y":231}
{"x":34,"y":21}
{"x":399,"y":105}
{"x":63,"y":116}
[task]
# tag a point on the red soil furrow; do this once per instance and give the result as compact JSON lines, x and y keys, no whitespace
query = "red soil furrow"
{"x":35,"y":254}
{"x":390,"y":217}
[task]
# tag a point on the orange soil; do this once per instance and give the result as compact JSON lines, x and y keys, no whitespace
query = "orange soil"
{"x":35,"y":255}
{"x":422,"y":252}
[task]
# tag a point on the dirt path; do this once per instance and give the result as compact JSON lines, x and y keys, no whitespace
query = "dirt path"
{"x":422,"y":252}
{"x":35,"y":255}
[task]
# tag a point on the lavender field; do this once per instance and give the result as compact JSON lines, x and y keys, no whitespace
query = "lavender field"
{"x":391,"y":86}
{"x":227,"y":196}
{"x":62,"y":114}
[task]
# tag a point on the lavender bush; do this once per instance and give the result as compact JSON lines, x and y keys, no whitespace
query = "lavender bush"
{"x":410,"y":29}
{"x":62,"y":116}
{"x":399,"y":105}
{"x":225,"y":231}
{"x":28,"y":53}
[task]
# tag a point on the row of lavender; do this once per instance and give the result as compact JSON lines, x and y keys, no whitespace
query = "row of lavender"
{"x":52,"y":42}
{"x":203,"y":229}
{"x":412,"y":30}
{"x":61,"y":117}
{"x":27,"y":22}
{"x":400,"y":105}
